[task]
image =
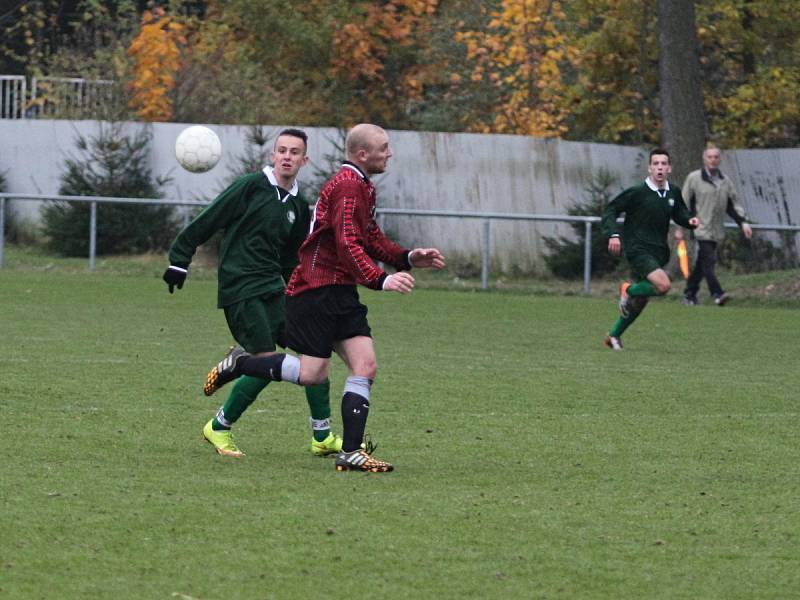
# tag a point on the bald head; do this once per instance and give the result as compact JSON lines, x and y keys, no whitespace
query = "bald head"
{"x":367,"y":146}
{"x":363,"y":136}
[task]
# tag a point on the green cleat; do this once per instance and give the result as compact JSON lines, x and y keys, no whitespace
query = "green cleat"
{"x":222,"y":441}
{"x":330,"y":445}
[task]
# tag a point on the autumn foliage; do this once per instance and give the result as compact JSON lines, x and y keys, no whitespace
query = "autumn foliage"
{"x":157,"y":59}
{"x":578,"y":69}
{"x":522,"y":52}
{"x":378,"y":51}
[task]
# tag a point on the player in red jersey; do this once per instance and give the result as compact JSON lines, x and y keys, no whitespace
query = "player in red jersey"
{"x":323,"y":310}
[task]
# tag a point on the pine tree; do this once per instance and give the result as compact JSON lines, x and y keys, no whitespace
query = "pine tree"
{"x":115,"y":165}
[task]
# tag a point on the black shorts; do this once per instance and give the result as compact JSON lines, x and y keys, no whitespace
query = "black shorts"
{"x":317,"y":318}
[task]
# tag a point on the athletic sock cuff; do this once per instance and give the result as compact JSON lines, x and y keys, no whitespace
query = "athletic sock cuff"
{"x":320,"y":424}
{"x":358,"y":385}
{"x":290,"y":369}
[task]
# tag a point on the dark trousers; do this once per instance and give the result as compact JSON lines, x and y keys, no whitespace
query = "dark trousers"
{"x":704,"y":267}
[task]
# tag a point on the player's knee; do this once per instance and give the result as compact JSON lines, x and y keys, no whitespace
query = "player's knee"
{"x":313,"y":375}
{"x":662,"y":287}
{"x":366,"y":368}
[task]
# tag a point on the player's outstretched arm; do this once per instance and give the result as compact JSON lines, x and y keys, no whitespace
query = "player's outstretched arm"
{"x":401,"y":282}
{"x":426,"y":258}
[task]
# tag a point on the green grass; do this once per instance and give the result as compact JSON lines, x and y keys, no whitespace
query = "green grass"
{"x":531,"y":462}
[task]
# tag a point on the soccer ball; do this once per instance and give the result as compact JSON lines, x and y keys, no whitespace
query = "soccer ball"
{"x":198,"y":149}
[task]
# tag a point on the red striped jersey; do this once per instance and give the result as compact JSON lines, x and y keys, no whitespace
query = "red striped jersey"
{"x":345,"y":242}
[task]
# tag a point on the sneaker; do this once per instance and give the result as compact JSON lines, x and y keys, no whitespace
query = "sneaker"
{"x":225,"y":370}
{"x":612,"y":342}
{"x":330,"y":445}
{"x":361,"y":460}
{"x":690,"y":300}
{"x":624,"y":299}
{"x":222,"y":441}
{"x":721,"y":299}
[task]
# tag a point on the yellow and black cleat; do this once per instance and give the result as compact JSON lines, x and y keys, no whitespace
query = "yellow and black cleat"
{"x":226,"y":370}
{"x":360,"y":460}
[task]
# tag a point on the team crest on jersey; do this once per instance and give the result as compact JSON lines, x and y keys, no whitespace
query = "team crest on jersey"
{"x":291,"y":216}
{"x":671,"y":202}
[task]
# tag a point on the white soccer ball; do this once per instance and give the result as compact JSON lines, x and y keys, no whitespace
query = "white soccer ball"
{"x":198,"y":149}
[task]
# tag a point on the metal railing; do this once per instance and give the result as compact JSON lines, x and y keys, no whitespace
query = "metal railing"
{"x":93,"y":202}
{"x":61,"y":97}
{"x":486,"y":217}
{"x":54,"y":97}
{"x":13,"y":96}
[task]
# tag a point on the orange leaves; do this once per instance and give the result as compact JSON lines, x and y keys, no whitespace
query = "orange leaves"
{"x":361,"y":48}
{"x":156,"y":54}
{"x":383,"y":50}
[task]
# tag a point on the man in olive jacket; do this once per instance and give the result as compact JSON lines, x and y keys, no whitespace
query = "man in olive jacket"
{"x":710,"y":196}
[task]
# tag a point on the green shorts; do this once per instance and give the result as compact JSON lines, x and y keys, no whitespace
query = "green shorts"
{"x":643,"y":264}
{"x":258,"y":323}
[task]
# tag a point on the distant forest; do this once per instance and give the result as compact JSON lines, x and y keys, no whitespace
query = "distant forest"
{"x":589,"y":70}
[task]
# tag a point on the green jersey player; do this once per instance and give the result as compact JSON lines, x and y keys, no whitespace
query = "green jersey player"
{"x":648,"y":209}
{"x":263,"y":220}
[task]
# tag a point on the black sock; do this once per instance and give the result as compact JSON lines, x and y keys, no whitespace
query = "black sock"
{"x":355,"y":409}
{"x":265,"y":367}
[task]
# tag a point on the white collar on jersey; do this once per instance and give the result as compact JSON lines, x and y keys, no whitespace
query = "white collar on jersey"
{"x":651,"y":184}
{"x":271,"y":176}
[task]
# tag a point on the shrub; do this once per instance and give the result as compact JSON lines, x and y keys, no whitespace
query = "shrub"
{"x":565,"y":254}
{"x":758,"y":254}
{"x":110,"y":164}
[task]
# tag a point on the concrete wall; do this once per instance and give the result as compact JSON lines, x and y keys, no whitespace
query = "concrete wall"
{"x":446,"y":171}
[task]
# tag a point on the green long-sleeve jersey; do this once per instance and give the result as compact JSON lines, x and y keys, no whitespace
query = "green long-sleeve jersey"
{"x":263,"y":226}
{"x":647,"y":217}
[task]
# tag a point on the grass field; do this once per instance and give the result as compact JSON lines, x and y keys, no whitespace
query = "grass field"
{"x":530,"y":461}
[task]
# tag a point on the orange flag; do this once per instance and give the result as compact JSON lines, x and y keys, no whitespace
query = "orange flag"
{"x":683,"y":258}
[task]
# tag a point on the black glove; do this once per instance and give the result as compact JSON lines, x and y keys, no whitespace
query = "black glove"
{"x":175,"y":275}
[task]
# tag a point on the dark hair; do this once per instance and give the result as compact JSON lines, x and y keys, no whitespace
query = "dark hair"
{"x":655,"y":151}
{"x":298,"y":133}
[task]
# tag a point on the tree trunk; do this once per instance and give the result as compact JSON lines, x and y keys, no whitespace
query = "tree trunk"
{"x":682,"y":117}
{"x":748,"y":54}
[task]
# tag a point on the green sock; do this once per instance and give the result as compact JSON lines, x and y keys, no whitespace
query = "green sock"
{"x":642,"y":288}
{"x":624,"y":322}
{"x":242,"y":395}
{"x":319,"y":403}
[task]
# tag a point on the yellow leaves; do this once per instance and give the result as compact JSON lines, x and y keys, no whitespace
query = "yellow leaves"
{"x":521,"y":52}
{"x":761,"y":110}
{"x":156,"y":54}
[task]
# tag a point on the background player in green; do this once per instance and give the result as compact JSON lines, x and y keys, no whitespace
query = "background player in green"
{"x":264,"y":219}
{"x":648,"y":209}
